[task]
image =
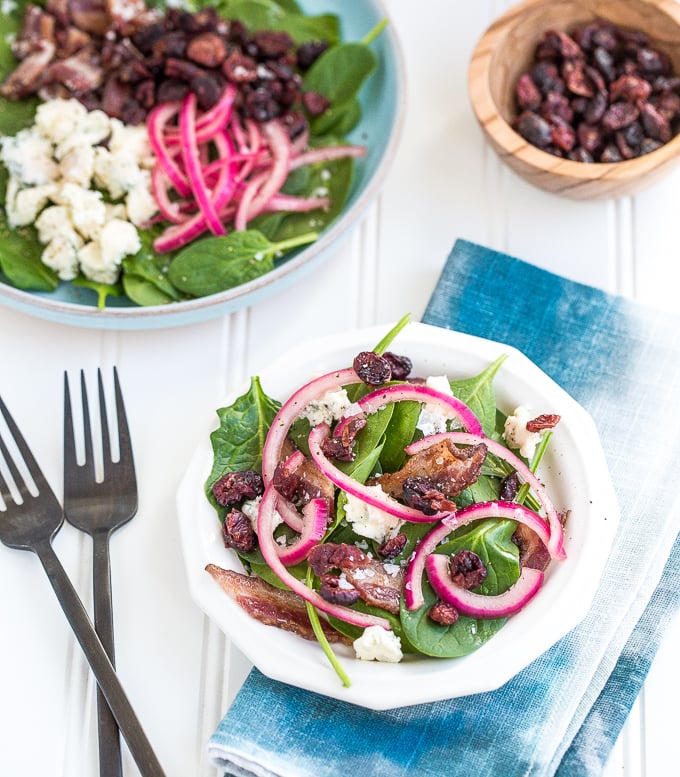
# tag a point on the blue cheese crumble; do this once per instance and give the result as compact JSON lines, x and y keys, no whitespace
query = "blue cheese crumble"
{"x":378,"y":644}
{"x":83,"y":180}
{"x":517,"y":435}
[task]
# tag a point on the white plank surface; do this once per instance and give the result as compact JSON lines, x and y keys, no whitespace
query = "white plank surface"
{"x":179,"y":670}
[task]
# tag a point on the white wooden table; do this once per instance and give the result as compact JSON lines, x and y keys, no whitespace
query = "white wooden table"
{"x":179,"y":670}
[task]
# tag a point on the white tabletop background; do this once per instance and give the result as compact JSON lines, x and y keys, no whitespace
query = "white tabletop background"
{"x":179,"y":670}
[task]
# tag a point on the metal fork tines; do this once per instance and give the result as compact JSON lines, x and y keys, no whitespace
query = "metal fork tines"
{"x":98,"y":507}
{"x":30,"y":516}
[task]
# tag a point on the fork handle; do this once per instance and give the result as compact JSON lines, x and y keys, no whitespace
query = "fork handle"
{"x":101,"y":666}
{"x":110,"y":762}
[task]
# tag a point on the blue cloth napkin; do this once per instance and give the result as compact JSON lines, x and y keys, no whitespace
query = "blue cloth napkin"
{"x":562,"y":714}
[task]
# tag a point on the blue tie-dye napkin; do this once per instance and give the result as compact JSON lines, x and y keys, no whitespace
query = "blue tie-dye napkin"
{"x":562,"y":714}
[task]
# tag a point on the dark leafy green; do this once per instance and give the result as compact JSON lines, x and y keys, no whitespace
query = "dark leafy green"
{"x":215,"y":264}
{"x":237,"y":443}
{"x":477,"y":393}
{"x":491,"y":541}
{"x":20,"y":262}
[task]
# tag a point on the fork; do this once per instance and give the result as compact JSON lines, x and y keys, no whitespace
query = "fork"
{"x":30,"y":522}
{"x":98,"y":509}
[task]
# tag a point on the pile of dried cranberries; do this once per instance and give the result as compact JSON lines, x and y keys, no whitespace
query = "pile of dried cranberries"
{"x":598,"y":94}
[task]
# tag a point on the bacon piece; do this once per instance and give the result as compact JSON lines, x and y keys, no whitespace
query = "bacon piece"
{"x":26,"y":79}
{"x":269,"y":605}
{"x":376,"y":586}
{"x":532,"y":552}
{"x":451,"y":469}
{"x":78,"y":73}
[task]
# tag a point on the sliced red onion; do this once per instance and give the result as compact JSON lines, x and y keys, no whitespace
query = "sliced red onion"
{"x":158,"y":119}
{"x":478,"y":605}
{"x":193,"y":166}
{"x":555,"y":544}
{"x":401,"y":392}
{"x":326,"y":154}
{"x":367,"y":494}
{"x":316,"y":515}
{"x":413,"y":579}
{"x":290,"y":411}
{"x":279,"y":142}
{"x":270,"y":552}
{"x":295,"y":204}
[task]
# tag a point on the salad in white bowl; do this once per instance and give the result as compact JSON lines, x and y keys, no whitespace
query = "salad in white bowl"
{"x":402,"y":513}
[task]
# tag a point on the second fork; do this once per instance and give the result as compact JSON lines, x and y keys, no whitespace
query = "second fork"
{"x":98,"y":507}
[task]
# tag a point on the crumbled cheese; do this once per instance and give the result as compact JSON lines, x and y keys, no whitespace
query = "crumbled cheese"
{"x":369,"y":521}
{"x":378,"y":644}
{"x":250,"y":509}
{"x":86,"y":208}
{"x":52,"y":166}
{"x":117,"y":173}
{"x":118,"y":239}
{"x":61,"y":254}
{"x":28,"y":158}
{"x":140,"y":203}
{"x":432,"y":420}
{"x":78,"y":166}
{"x":58,"y":120}
{"x":517,"y":435}
{"x":332,"y":406}
{"x":23,"y":205}
{"x":133,"y":141}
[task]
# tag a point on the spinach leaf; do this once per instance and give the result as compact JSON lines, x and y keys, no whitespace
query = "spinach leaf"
{"x":340,"y":71}
{"x":340,"y":118}
{"x":215,"y":264}
{"x":492,"y":542}
{"x":477,"y":393}
{"x":145,"y":275}
{"x":237,"y":443}
{"x":332,"y":179}
{"x":368,"y":445}
{"x":399,"y":434}
{"x":281,"y":16}
{"x":20,"y":262}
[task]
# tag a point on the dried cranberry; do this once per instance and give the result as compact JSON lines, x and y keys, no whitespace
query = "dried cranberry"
{"x":509,"y":487}
{"x":238,"y":533}
{"x":372,"y":369}
{"x":271,"y":44}
{"x":234,"y":487}
{"x":309,"y":52}
{"x":655,"y":124}
{"x":528,"y":95}
{"x":619,"y":115}
{"x":207,"y":49}
{"x":401,"y":366}
{"x":444,"y":613}
{"x":545,"y":421}
{"x":337,"y":449}
{"x":315,"y":104}
{"x":611,"y":153}
{"x":393,"y":547}
{"x":533,"y":128}
{"x":331,"y":590}
{"x":422,"y":493}
{"x":467,"y":569}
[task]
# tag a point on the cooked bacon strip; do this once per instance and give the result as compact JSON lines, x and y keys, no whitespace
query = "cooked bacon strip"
{"x":450,"y":468}
{"x":376,"y":587}
{"x":532,"y":552}
{"x":269,"y":605}
{"x":25,"y":79}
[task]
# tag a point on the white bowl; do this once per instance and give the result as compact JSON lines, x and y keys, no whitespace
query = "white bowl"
{"x":574,"y":471}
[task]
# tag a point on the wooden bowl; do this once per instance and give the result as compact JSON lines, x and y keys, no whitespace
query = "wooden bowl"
{"x":506,"y":50}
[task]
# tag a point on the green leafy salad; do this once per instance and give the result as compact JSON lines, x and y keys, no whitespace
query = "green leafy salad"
{"x":225,"y":149}
{"x":399,"y":513}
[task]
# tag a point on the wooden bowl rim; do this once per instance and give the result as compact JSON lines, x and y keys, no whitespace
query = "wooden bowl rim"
{"x":509,"y":143}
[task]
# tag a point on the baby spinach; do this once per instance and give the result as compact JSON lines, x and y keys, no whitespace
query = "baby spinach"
{"x":102,"y":290}
{"x":492,"y":541}
{"x":282,"y":17}
{"x":477,"y":393}
{"x":20,"y":262}
{"x":238,"y":441}
{"x":339,"y":74}
{"x":215,"y":264}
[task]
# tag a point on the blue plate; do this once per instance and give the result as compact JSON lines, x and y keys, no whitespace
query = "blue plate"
{"x":382,"y":99}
